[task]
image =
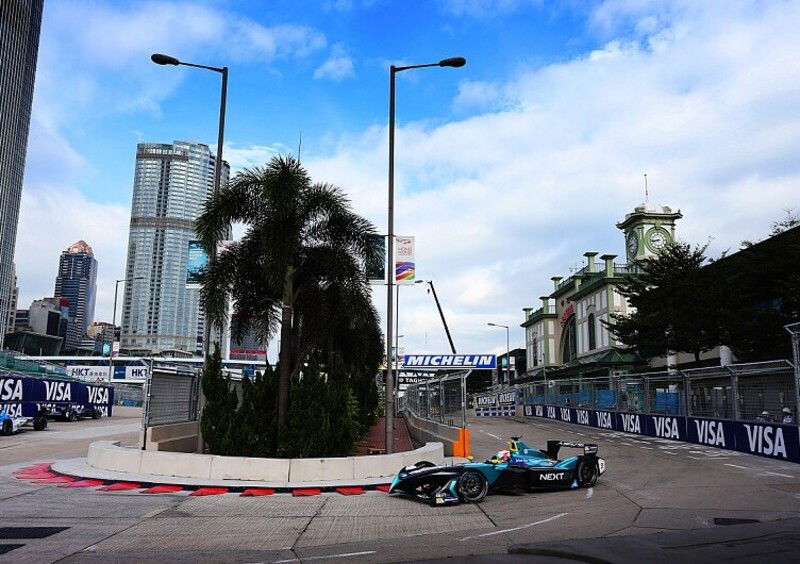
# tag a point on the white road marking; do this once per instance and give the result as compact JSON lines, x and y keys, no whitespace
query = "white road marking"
{"x":342,"y":555}
{"x":648,"y":448}
{"x":590,"y":493}
{"x":501,"y":531}
{"x":494,"y":436}
{"x":668,"y":452}
{"x":737,"y":466}
{"x":779,"y":474}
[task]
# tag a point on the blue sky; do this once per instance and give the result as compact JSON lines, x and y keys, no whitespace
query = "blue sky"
{"x":508,"y":169}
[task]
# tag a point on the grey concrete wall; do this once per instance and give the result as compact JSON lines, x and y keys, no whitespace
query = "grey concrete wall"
{"x":423,"y":431}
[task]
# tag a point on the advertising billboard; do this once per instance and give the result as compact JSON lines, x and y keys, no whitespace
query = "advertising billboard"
{"x":405,"y":266}
{"x":376,"y":269}
{"x":455,"y":361}
{"x":197,"y":261}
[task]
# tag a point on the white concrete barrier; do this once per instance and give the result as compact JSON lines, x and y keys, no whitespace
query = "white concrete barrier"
{"x":109,"y":455}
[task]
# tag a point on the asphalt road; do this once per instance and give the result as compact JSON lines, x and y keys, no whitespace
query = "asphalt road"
{"x":651,"y":485}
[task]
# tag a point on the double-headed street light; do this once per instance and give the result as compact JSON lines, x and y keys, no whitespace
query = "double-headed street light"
{"x":508,"y":349}
{"x":161,"y":59}
{"x":389,"y":386}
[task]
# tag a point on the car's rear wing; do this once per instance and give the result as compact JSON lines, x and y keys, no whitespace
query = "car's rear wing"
{"x":554,"y":446}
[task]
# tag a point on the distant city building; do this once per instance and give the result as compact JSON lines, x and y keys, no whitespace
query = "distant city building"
{"x":22,"y":320}
{"x":20,"y":22}
{"x":103,"y":335}
{"x":77,"y":283}
{"x":171,"y":184}
{"x":49,"y":316}
{"x":568,"y":335}
{"x":249,"y":348}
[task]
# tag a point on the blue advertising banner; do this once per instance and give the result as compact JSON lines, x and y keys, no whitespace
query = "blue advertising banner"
{"x":450,"y":361}
{"x":196,"y":262}
{"x":22,"y":396}
{"x":773,"y":440}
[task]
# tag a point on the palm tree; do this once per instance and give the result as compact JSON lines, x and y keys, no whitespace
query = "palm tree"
{"x":300,"y":266}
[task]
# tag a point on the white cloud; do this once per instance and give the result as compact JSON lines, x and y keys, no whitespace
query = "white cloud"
{"x":337,"y":67}
{"x":51,"y":219}
{"x":700,"y":96}
{"x":477,"y":94}
{"x":97,"y":56}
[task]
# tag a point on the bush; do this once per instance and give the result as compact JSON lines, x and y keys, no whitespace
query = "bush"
{"x":219,"y":411}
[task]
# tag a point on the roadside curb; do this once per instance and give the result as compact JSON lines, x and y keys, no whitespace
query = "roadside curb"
{"x":48,"y":473}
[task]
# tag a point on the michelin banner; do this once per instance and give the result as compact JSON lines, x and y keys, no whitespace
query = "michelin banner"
{"x":773,"y":440}
{"x":405,"y":265}
{"x":454,"y":361}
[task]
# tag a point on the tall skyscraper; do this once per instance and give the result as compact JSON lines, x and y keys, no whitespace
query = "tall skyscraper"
{"x":20,"y":21}
{"x":160,"y":310}
{"x":77,"y":283}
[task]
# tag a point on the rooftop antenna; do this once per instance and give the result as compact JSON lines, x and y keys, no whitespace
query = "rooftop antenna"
{"x":646,"y":193}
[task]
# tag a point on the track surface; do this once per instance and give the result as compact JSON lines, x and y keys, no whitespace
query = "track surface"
{"x":651,"y":485}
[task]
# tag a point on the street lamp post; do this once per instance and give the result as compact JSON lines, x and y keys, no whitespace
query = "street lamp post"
{"x":508,"y":349}
{"x":389,"y":385}
{"x":161,"y":59}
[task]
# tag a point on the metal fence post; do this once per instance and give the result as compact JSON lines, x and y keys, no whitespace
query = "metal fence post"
{"x":794,"y":331}
{"x":735,"y":393}
{"x":687,"y":388}
{"x":464,"y":400}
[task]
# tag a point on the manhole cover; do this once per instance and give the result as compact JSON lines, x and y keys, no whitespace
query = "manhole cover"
{"x":732,"y":521}
{"x":29,"y":532}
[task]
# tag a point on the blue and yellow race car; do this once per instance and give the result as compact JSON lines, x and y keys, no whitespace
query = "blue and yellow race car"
{"x":519,"y":469}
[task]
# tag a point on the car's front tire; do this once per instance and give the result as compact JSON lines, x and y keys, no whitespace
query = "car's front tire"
{"x":472,"y":486}
{"x":587,"y":472}
{"x":8,"y":427}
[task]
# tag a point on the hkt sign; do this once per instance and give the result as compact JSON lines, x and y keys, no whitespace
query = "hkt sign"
{"x":451,"y":360}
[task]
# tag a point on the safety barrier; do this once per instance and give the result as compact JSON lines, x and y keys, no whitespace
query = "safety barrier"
{"x":25,"y":395}
{"x":109,"y":455}
{"x":772,"y":440}
{"x":436,"y":410}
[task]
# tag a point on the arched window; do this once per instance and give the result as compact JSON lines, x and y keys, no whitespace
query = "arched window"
{"x":569,"y":342}
{"x":592,"y":333}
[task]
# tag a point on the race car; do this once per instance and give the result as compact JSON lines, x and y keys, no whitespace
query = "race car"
{"x":518,"y":469}
{"x":10,"y":425}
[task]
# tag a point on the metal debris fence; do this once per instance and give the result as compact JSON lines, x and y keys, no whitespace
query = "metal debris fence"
{"x":171,"y":395}
{"x":744,"y":392}
{"x":442,"y":399}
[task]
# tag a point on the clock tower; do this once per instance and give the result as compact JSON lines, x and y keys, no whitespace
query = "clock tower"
{"x":647,"y":230}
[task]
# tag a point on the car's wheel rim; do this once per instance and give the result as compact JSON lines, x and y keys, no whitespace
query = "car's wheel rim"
{"x":471,"y":486}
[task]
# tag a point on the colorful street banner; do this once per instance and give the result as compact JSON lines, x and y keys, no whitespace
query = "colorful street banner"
{"x":405,"y":267}
{"x":376,"y":269}
{"x":197,"y":261}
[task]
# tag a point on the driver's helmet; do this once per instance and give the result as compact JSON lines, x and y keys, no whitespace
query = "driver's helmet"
{"x":504,"y":456}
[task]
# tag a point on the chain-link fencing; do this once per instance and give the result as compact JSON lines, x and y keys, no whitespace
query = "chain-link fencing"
{"x":762,"y":391}
{"x":171,"y":395}
{"x":441,"y":399}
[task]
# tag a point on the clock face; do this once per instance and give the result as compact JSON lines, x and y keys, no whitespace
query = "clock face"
{"x":657,"y":239}
{"x":632,"y":244}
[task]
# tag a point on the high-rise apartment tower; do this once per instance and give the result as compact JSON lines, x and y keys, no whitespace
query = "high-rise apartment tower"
{"x":20,"y":21}
{"x":77,"y":283}
{"x":160,"y":310}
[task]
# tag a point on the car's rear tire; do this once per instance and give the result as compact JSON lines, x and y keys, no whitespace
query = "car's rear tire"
{"x":40,"y":423}
{"x":96,"y":413}
{"x":472,"y":486}
{"x":8,"y":427}
{"x":587,"y":472}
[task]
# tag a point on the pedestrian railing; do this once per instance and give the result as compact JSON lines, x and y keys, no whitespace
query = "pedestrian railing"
{"x":441,"y":399}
